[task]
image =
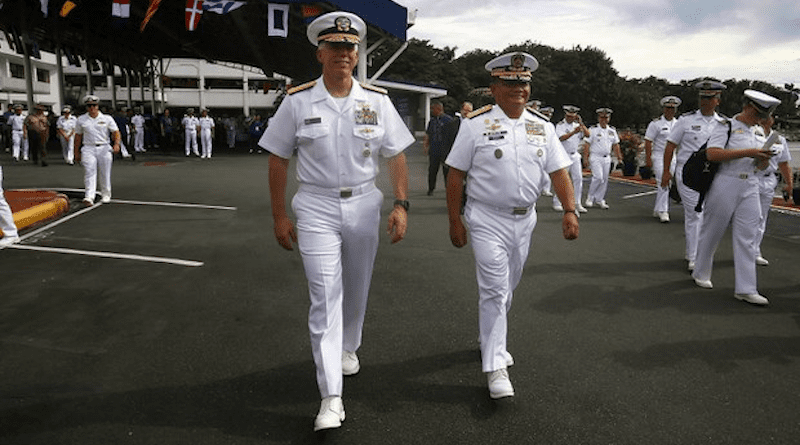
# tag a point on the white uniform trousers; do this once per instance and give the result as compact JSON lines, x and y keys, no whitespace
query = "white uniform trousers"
{"x":19,"y":144}
{"x":138,"y":139}
{"x":191,"y":142}
{"x":733,"y":201}
{"x":576,"y":173}
{"x":662,"y":194}
{"x":205,"y":142}
{"x":96,"y":161}
{"x":766,"y":192}
{"x":692,"y":220}
{"x":338,"y":240}
{"x":68,"y":148}
{"x":6,"y":216}
{"x":601,"y":169}
{"x":500,"y":242}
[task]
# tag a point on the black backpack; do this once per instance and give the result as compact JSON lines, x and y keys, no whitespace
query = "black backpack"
{"x":699,"y":172}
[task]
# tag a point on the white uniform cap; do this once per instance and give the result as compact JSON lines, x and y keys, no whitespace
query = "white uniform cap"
{"x":516,"y":66}
{"x":337,"y":27}
{"x":91,"y":99}
{"x":604,"y":110}
{"x":66,"y":108}
{"x":571,"y":109}
{"x":764,"y":102}
{"x":671,"y":101}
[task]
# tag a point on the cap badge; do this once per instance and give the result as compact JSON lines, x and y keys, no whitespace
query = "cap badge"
{"x":498,"y":153}
{"x":343,"y":24}
{"x":517,"y":62}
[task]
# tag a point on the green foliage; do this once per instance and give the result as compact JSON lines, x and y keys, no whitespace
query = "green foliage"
{"x":580,"y":76}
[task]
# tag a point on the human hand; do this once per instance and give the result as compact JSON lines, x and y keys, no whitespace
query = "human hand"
{"x":284,"y":233}
{"x":398,"y":224}
{"x":458,"y":234}
{"x":665,"y":178}
{"x":570,"y":226}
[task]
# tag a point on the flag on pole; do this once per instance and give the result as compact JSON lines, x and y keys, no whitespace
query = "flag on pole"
{"x":151,"y":10}
{"x":221,"y":6}
{"x":194,"y":11}
{"x":278,"y":20}
{"x":121,"y":8}
{"x":67,"y":7}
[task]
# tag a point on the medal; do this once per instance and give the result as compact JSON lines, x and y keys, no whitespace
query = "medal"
{"x":498,"y":153}
{"x":366,"y":152}
{"x":539,"y":153}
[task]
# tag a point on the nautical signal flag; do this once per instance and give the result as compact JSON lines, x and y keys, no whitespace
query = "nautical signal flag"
{"x":121,"y":8}
{"x":194,"y":11}
{"x":67,"y":7}
{"x":221,"y":6}
{"x":278,"y":20}
{"x":151,"y":10}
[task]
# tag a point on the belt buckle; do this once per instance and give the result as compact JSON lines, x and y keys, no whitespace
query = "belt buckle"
{"x":519,"y":211}
{"x":345,"y":193}
{"x":743,"y":175}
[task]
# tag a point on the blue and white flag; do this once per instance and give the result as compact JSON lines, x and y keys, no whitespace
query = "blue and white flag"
{"x":221,"y":6}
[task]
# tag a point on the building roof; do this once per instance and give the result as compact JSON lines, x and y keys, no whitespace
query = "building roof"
{"x":240,"y":36}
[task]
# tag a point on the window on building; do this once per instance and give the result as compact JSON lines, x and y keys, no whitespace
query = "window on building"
{"x":17,"y":70}
{"x":224,"y":84}
{"x":180,"y":82}
{"x":42,"y":75}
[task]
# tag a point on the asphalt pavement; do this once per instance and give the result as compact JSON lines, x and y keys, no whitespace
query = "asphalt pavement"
{"x":172,"y":316}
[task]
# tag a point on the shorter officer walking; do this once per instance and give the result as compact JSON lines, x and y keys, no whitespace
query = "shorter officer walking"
{"x":94,"y":150}
{"x":602,"y":140}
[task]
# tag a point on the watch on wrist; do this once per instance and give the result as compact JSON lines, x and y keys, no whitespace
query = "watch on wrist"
{"x":402,"y":203}
{"x":575,"y":211}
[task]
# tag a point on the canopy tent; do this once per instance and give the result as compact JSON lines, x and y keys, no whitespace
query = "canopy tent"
{"x":239,"y":36}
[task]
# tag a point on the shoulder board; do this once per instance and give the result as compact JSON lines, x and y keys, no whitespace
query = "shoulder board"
{"x":374,"y":88}
{"x":722,"y":117}
{"x":537,"y":113}
{"x":612,"y":127}
{"x":302,"y":87}
{"x":657,"y":118}
{"x":479,"y":111}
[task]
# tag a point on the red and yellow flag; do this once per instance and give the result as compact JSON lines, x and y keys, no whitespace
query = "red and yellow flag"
{"x":151,"y":10}
{"x":67,"y":7}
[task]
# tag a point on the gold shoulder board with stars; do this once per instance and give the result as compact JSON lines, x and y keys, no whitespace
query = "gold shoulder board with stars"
{"x":302,"y":87}
{"x":479,"y":111}
{"x":374,"y":88}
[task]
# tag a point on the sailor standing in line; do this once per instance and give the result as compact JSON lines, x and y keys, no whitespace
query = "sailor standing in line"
{"x":206,"y":133}
{"x":733,"y":199}
{"x":93,"y":151}
{"x":687,"y":136}
{"x":18,"y":141}
{"x":138,"y":131}
{"x":190,"y":126}
{"x":503,"y":152}
{"x":339,"y":128}
{"x":655,"y":140}
{"x":65,"y":125}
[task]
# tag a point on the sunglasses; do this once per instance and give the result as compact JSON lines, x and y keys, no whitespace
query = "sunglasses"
{"x":91,"y":105}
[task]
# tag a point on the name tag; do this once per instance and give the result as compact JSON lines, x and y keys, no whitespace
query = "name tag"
{"x":313,"y":120}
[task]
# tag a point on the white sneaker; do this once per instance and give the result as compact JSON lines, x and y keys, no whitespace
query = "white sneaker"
{"x":8,"y":240}
{"x":581,"y":208}
{"x":761,"y":261}
{"x":705,"y":284}
{"x":350,"y":365}
{"x":663,"y":217}
{"x":558,"y":208}
{"x":547,"y":193}
{"x":331,"y":413}
{"x":603,"y":205}
{"x":499,"y":384}
{"x":588,"y":203}
{"x":509,"y":359}
{"x":752,"y":299}
{"x":105,"y":199}
{"x":691,"y":266}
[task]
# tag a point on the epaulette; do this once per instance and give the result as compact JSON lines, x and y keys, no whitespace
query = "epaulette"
{"x":722,"y":118}
{"x":302,"y":87}
{"x":367,"y":86}
{"x":479,"y":111}
{"x":537,"y":113}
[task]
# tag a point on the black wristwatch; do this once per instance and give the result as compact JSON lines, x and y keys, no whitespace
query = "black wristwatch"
{"x":402,"y":203}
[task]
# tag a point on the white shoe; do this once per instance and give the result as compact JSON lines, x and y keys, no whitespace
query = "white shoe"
{"x":588,"y":203}
{"x":581,"y":208}
{"x":331,"y":414}
{"x":705,"y":284}
{"x":752,"y":299}
{"x":8,"y":240}
{"x":105,"y":199}
{"x":691,"y":266}
{"x":547,"y":193}
{"x":663,"y":217}
{"x":509,"y":359}
{"x":761,"y":261}
{"x":603,"y":205}
{"x":350,"y":365}
{"x":499,"y":384}
{"x":656,"y":214}
{"x":558,"y":208}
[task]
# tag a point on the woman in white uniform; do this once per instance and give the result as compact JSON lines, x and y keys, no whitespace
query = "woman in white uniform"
{"x":768,"y":181}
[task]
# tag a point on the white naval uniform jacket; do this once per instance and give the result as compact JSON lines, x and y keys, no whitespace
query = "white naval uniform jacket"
{"x":601,"y":140}
{"x":658,"y":130}
{"x":96,"y":131}
{"x":506,"y":159}
{"x":692,"y":131}
{"x":336,"y":148}
{"x":573,"y":143}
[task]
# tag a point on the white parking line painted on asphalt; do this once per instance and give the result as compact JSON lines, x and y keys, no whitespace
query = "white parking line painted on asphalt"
{"x":59,"y":221}
{"x":172,"y":204}
{"x":639,"y":195}
{"x":122,"y":256}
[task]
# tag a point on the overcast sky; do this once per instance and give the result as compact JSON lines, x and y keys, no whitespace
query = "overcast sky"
{"x":674,"y":40}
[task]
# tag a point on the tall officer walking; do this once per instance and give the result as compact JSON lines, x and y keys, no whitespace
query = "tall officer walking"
{"x":655,"y":140}
{"x":339,"y":128}
{"x":93,"y":150}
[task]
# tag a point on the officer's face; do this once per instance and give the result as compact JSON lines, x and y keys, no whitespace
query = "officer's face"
{"x":669,"y":112}
{"x":337,"y":58}
{"x":511,"y":94}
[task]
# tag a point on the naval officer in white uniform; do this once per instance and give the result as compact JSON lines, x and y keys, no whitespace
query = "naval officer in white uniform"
{"x":504,"y":151}
{"x":602,"y":140}
{"x":733,"y":199}
{"x":93,"y":150}
{"x":571,"y":132}
{"x":340,"y":128}
{"x":655,"y":140}
{"x":687,"y":136}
